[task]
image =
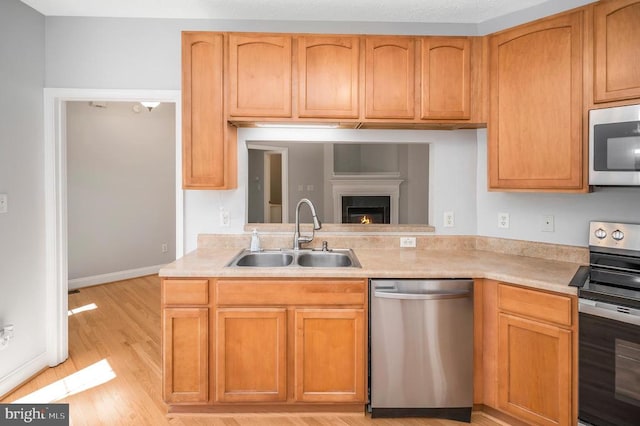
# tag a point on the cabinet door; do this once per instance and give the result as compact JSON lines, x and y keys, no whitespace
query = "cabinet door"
{"x":251,"y":355}
{"x":390,"y":77}
{"x":259,"y":76}
{"x":209,"y":145}
{"x":328,"y":69}
{"x":617,"y":50}
{"x":185,"y":355}
{"x":534,"y":371}
{"x":535,"y":125}
{"x":446,"y":76}
{"x":329,"y":355}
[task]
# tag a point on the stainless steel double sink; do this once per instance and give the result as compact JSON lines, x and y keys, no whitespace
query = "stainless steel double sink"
{"x":288,"y":258}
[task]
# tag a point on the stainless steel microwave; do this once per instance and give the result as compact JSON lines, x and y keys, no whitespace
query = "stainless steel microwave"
{"x":614,"y":146}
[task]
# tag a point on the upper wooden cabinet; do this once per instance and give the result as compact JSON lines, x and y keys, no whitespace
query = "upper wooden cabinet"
{"x":617,"y":50}
{"x":259,"y":75}
{"x":208,"y":144}
{"x":535,"y":125}
{"x":328,"y":76}
{"x":390,"y":70}
{"x":445,"y":77}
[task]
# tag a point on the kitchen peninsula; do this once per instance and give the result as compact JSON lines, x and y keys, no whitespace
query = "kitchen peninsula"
{"x":254,"y":339}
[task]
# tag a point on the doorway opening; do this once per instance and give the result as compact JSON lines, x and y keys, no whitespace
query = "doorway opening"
{"x":120,"y":190}
{"x":56,"y":215}
{"x":268,"y":192}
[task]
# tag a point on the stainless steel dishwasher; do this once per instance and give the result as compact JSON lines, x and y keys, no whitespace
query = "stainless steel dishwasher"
{"x":421,"y":343}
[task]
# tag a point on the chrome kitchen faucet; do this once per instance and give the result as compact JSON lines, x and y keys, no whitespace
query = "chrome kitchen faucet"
{"x":297,"y":238}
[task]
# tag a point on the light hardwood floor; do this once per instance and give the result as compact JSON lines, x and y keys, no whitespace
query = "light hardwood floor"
{"x":112,"y":376}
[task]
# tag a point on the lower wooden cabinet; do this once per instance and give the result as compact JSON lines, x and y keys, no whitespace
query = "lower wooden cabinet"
{"x":286,"y":341}
{"x":329,"y":355}
{"x":251,"y":355}
{"x":534,"y":370}
{"x":185,"y":355}
{"x":529,"y":353}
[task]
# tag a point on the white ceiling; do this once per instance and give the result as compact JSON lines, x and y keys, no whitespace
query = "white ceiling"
{"x":427,"y":11}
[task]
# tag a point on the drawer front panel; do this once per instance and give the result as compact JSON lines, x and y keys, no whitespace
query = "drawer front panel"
{"x":264,"y":292}
{"x":535,"y":304}
{"x":185,"y":292}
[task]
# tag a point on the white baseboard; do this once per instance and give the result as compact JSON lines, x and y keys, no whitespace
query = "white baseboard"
{"x":113,"y":276}
{"x":23,"y":373}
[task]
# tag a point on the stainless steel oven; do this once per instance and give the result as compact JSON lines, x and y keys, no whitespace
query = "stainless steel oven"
{"x":609,"y":327}
{"x":614,"y":146}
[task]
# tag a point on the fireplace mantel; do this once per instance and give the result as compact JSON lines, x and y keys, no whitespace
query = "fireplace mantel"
{"x":366,"y":187}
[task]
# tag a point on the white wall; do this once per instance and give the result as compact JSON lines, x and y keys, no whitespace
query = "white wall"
{"x":572,"y":212}
{"x":121,"y":187}
{"x":22,"y":235}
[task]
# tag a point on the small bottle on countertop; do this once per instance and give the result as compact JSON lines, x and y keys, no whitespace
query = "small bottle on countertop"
{"x":255,"y":241}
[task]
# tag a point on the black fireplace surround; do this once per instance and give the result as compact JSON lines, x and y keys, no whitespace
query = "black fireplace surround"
{"x":360,"y":208}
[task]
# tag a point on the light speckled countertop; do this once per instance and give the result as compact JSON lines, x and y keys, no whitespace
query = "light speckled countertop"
{"x":527,"y":271}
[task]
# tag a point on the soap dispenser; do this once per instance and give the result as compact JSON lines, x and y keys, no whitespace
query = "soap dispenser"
{"x":255,"y":241}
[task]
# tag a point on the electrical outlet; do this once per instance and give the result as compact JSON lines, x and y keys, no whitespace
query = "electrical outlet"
{"x":548,"y":224}
{"x":4,"y":203}
{"x":407,"y":241}
{"x":449,"y":220}
{"x":165,"y":247}
{"x":224,"y":217}
{"x":503,"y":220}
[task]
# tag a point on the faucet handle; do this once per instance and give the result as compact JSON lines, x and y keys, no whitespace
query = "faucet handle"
{"x":325,"y":246}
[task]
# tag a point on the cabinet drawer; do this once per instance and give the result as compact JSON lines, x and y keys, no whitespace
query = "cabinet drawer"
{"x":554,"y":308}
{"x":263,"y":292}
{"x":185,"y":292}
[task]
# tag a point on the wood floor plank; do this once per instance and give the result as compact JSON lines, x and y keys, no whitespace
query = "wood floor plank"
{"x":121,"y":336}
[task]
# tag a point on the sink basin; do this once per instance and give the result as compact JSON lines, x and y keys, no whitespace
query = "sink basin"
{"x":263,"y":259}
{"x":326,"y":259}
{"x":336,"y":258}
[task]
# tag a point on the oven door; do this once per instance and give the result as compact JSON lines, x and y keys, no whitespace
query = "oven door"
{"x":609,"y":364}
{"x":614,"y":146}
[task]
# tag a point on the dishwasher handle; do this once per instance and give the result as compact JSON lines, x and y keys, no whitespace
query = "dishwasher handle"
{"x":422,"y":296}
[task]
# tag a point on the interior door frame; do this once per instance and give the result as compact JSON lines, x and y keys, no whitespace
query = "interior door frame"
{"x":55,"y":199}
{"x":284,"y":152}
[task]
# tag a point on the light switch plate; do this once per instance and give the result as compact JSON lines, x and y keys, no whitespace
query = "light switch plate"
{"x":4,"y":203}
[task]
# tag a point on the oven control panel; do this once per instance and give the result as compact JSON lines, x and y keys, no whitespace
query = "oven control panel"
{"x":615,"y":235}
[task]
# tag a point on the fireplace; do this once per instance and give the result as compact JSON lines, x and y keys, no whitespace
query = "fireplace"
{"x":366,"y":209}
{"x":376,"y":198}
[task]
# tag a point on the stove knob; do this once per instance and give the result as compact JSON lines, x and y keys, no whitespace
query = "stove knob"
{"x":617,"y":235}
{"x":600,"y":233}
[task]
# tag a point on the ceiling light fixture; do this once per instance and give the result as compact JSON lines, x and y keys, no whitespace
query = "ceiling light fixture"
{"x":150,"y":105}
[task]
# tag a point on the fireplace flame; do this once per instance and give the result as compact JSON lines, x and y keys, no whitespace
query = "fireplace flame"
{"x":365,"y":220}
